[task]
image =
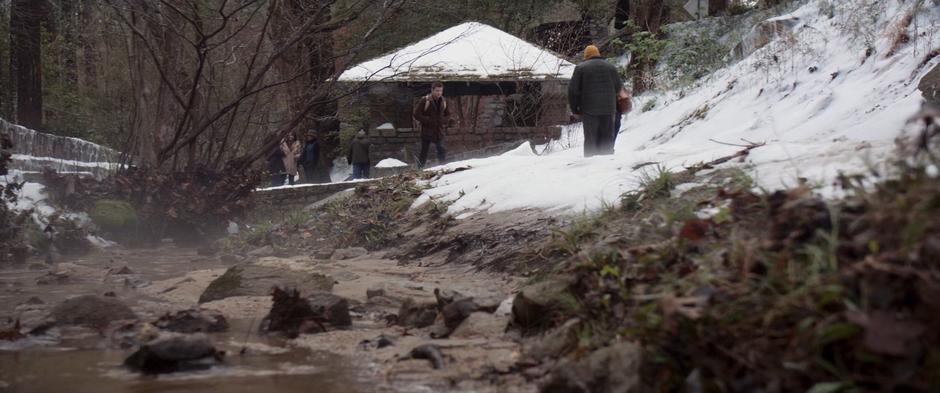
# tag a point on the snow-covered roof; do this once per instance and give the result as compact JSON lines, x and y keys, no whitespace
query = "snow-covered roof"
{"x":467,"y":52}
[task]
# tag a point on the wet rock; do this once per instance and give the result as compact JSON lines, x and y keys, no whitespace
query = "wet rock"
{"x":193,"y":321}
{"x":375,"y":290}
{"x":538,"y":304}
{"x":123,"y":270}
{"x":265,"y":251}
{"x":175,"y":352}
{"x":345,"y":276}
{"x":454,"y":313}
{"x":348,"y":253}
{"x":481,"y":324}
{"x":613,"y":369}
{"x":419,"y":315}
{"x":293,"y":314}
{"x":556,"y":343}
{"x":109,"y":294}
{"x":930,"y":86}
{"x":334,"y":309}
{"x":430,"y":352}
{"x":323,"y":253}
{"x":382,"y":341}
{"x":52,"y":278}
{"x":231,"y":258}
{"x":34,"y":301}
{"x":255,"y":280}
{"x":446,"y":296}
{"x":91,"y":311}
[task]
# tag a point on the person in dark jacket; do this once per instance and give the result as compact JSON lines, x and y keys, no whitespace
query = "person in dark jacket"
{"x":592,"y":95}
{"x":359,"y":156}
{"x":310,"y":156}
{"x":433,"y":115}
{"x":276,"y":167}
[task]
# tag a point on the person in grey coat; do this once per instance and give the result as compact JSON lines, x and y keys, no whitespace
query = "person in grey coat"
{"x":592,"y":95}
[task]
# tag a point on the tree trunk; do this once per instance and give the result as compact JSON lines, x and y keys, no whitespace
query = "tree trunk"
{"x":647,"y":16}
{"x":89,"y":50}
{"x":622,"y":14}
{"x":25,"y":41}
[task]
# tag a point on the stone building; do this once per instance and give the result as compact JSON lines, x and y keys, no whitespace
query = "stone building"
{"x":501,"y":90}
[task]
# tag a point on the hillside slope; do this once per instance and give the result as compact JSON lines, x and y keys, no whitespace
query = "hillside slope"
{"x":830,"y":95}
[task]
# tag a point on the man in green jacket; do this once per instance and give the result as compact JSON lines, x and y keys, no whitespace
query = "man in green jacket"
{"x":358,"y":156}
{"x":592,"y":95}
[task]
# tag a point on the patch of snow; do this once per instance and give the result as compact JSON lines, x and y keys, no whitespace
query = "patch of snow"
{"x":814,"y":125}
{"x":100,"y":242}
{"x":386,"y":126}
{"x":932,"y":171}
{"x":390,"y":163}
{"x":470,"y":50}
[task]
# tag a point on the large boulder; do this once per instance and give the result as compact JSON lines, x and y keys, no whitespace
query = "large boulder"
{"x":536,"y":305}
{"x":257,"y":280}
{"x":91,"y":310}
{"x":613,"y":369}
{"x":930,"y":86}
{"x":174,"y":352}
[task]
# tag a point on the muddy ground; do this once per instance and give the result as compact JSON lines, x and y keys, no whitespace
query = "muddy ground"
{"x":166,"y":279}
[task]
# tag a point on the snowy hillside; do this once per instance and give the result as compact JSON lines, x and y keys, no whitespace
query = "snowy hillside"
{"x":820,"y":104}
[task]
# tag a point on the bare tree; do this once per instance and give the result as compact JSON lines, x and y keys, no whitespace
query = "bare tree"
{"x":212,"y":76}
{"x":26,"y":18}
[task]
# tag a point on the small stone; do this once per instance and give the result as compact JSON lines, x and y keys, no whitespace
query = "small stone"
{"x":193,"y":321}
{"x":348,"y":253}
{"x":265,"y":251}
{"x":323,"y":253}
{"x":334,"y":309}
{"x":481,"y":324}
{"x":375,"y":290}
{"x":413,"y":314}
{"x":123,"y":270}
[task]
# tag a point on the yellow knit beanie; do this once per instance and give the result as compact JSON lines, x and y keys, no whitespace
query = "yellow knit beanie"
{"x":591,"y":51}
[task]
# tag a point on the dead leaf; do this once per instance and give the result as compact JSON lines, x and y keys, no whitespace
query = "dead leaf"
{"x":884,"y":333}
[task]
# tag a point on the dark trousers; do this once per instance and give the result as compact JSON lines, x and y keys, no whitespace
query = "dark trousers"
{"x":598,"y":134}
{"x":617,"y":122}
{"x":360,"y":171}
{"x":278,"y":179}
{"x":309,"y":174}
{"x":441,"y":153}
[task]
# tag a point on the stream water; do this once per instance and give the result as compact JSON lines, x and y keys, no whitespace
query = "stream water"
{"x":81,"y":360}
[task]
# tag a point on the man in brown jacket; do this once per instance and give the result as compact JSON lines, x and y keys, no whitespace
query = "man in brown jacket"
{"x":433,"y":115}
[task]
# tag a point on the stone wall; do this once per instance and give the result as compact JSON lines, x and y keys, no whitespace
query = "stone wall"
{"x":461,"y":143}
{"x":33,"y":151}
{"x":301,"y":195}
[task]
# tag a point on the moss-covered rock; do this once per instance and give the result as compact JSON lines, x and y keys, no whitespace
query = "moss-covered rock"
{"x":114,"y":216}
